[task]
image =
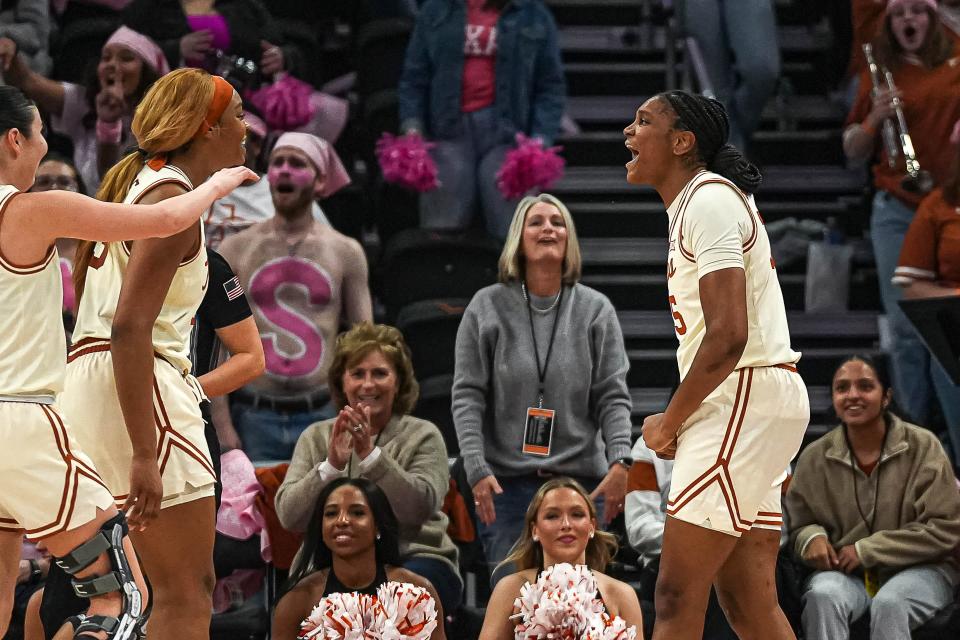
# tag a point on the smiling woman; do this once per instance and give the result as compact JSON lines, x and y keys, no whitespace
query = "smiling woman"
{"x":540,"y":380}
{"x":373,"y":437}
{"x":560,"y":526}
{"x":874,"y":510}
{"x":351,"y":546}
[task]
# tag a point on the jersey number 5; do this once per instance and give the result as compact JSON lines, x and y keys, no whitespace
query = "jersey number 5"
{"x":678,"y":324}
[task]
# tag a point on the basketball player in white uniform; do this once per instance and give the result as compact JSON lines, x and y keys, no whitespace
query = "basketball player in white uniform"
{"x":51,"y":490}
{"x":131,"y":346}
{"x":739,"y":415}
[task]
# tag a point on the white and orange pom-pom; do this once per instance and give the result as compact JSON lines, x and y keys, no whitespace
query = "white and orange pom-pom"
{"x":404,"y":612}
{"x":340,"y":616}
{"x":563,"y":605}
{"x":560,"y":604}
{"x":603,"y":627}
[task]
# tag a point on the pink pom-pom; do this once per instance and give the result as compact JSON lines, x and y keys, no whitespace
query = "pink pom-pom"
{"x":405,"y":612}
{"x":529,"y":167}
{"x":406,"y":161}
{"x":285,"y":104}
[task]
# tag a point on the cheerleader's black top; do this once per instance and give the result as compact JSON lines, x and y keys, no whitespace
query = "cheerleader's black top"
{"x":335,"y":586}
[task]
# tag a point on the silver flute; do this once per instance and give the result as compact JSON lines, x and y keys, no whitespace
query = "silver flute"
{"x":896,"y":136}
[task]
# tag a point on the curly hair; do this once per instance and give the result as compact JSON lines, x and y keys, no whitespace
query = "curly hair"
{"x":363,"y":339}
{"x":707,"y":119}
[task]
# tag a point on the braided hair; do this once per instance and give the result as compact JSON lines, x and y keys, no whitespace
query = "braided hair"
{"x":708,"y":121}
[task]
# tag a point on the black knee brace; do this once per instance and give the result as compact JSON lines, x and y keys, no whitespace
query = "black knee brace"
{"x":109,"y":541}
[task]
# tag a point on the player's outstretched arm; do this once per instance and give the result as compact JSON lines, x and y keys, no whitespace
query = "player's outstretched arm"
{"x":50,"y":215}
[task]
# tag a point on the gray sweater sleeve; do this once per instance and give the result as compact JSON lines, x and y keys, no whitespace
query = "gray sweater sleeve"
{"x":296,"y":498}
{"x":471,"y":381}
{"x":609,"y":391}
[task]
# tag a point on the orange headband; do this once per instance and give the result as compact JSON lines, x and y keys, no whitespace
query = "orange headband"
{"x":222,"y":94}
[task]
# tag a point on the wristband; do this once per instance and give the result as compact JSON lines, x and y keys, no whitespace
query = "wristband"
{"x":109,"y":132}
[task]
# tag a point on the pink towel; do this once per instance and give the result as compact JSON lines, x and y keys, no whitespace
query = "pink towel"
{"x":238,"y":516}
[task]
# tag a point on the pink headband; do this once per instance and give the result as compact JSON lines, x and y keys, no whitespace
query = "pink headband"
{"x":324,"y":158}
{"x":893,"y":4}
{"x":143,"y":46}
{"x":256,"y":126}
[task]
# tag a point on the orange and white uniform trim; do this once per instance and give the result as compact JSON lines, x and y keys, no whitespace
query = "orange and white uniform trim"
{"x":90,"y":398}
{"x":733,"y":451}
{"x":49,"y":484}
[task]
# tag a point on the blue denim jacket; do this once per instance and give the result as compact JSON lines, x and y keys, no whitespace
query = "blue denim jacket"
{"x":530,"y":85}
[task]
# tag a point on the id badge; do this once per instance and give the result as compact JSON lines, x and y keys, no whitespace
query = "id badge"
{"x":538,"y":432}
{"x":870,"y":582}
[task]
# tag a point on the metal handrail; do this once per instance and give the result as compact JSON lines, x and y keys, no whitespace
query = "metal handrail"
{"x":694,"y":70}
{"x":697,"y":67}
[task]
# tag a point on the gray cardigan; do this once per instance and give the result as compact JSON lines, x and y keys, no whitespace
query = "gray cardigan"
{"x":496,"y":380}
{"x":411,"y":470}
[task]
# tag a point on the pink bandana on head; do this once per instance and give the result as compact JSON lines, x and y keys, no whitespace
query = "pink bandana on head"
{"x":324,"y":158}
{"x":141,"y":45}
{"x":893,"y":4}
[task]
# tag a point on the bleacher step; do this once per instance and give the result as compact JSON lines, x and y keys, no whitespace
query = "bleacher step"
{"x":647,"y":218}
{"x":785,"y":182}
{"x":807,"y":147}
{"x":617,"y":111}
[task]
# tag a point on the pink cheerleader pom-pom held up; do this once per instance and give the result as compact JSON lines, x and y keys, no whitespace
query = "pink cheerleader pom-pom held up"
{"x":529,"y":166}
{"x":405,"y":161}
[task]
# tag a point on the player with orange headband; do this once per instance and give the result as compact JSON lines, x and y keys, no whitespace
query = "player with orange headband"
{"x":128,"y":393}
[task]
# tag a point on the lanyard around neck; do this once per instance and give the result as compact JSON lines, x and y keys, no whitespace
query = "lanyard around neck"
{"x":542,"y":371}
{"x":876,"y":489}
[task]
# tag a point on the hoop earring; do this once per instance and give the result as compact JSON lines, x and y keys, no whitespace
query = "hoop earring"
{"x":378,"y":535}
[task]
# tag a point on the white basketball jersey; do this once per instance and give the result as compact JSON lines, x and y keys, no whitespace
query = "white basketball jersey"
{"x":714,"y":226}
{"x":32,"y":343}
{"x":98,"y":306}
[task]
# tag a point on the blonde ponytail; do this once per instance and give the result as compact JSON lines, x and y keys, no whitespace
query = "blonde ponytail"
{"x":164,"y":124}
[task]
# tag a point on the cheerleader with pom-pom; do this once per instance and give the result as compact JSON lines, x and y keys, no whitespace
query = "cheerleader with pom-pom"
{"x":560,"y":590}
{"x":349,"y":564}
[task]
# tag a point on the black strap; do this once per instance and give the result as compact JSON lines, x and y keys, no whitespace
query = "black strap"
{"x":876,"y":489}
{"x":97,"y":585}
{"x":542,"y":372}
{"x":84,"y":555}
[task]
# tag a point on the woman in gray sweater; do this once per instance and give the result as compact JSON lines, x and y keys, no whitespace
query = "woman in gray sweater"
{"x":371,"y":380}
{"x":540,"y":383}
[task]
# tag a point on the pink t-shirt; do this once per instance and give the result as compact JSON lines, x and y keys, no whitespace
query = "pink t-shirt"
{"x":479,"y":56}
